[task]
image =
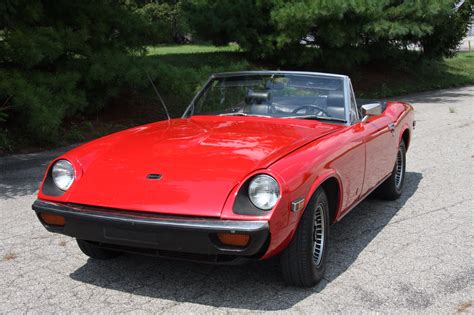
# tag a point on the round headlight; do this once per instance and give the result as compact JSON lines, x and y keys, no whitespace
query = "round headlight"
{"x":264,"y":192}
{"x":63,"y":174}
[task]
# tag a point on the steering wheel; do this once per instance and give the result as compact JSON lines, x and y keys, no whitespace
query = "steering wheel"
{"x":316,"y":109}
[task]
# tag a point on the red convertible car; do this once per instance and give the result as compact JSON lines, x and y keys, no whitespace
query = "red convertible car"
{"x":259,"y":165}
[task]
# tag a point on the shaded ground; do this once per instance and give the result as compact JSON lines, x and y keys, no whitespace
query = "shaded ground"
{"x":414,"y":254}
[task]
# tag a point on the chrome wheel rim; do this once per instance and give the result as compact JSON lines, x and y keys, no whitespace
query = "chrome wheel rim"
{"x":399,"y":167}
{"x":318,"y":236}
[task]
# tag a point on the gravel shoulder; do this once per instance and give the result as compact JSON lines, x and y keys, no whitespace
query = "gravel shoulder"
{"x":411,"y":255}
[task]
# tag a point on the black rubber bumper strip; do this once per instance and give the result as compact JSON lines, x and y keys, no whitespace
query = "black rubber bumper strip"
{"x":148,"y":230}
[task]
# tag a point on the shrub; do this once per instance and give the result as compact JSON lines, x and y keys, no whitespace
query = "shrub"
{"x":61,"y":57}
{"x":179,"y":77}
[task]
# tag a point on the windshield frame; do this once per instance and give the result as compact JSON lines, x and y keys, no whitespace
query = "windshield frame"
{"x":189,"y":112}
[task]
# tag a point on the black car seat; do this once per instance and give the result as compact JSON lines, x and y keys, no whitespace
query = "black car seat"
{"x":335,"y":104}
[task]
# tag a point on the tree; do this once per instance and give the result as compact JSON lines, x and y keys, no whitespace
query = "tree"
{"x":167,"y":16}
{"x":448,"y":31}
{"x":247,"y":22}
{"x":61,"y":57}
{"x":336,"y":31}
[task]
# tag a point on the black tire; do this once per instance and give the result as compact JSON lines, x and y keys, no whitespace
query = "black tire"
{"x":300,"y":264}
{"x":96,"y":252}
{"x":392,"y":187}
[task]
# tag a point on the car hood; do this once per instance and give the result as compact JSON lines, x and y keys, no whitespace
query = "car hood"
{"x":199,"y":161}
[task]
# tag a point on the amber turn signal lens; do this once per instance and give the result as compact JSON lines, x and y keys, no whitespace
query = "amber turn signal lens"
{"x":239,"y":240}
{"x":52,"y":219}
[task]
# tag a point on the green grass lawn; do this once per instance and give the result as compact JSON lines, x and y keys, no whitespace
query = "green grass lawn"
{"x":190,"y":49}
{"x":181,"y":70}
{"x":426,"y":76}
{"x":368,"y":82}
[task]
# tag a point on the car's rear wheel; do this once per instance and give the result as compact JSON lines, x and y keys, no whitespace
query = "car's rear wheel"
{"x":303,"y":262}
{"x":392,"y":187}
{"x":96,"y":252}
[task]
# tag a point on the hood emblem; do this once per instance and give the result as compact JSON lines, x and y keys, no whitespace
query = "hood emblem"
{"x":153,"y":176}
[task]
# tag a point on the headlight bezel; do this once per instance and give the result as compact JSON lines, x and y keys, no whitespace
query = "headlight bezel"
{"x":66,"y":167}
{"x":265,"y":180}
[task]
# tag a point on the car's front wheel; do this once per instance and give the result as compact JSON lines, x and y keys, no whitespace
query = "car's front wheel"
{"x":96,"y":252}
{"x":303,"y":262}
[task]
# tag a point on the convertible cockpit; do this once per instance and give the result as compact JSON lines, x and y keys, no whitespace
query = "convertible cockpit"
{"x":275,"y":94}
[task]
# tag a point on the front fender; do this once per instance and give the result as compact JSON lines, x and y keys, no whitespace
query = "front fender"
{"x":320,"y":180}
{"x":281,"y":237}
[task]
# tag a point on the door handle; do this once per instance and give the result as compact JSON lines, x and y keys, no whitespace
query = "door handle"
{"x":391,"y":127}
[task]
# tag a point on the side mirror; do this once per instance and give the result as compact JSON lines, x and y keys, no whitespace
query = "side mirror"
{"x":368,"y":110}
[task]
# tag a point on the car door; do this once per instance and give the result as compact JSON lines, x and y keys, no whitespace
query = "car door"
{"x":380,"y":144}
{"x":351,"y":164}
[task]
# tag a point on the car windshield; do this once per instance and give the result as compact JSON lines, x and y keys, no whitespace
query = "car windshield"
{"x":274,"y":95}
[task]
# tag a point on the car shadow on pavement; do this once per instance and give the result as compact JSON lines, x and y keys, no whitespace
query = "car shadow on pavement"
{"x":442,"y":96}
{"x":20,"y":175}
{"x":255,"y":286}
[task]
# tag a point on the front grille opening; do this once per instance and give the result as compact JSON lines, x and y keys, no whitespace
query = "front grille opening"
{"x":171,"y":254}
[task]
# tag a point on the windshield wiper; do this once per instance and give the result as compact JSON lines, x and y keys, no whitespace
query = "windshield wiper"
{"x":244,"y":114}
{"x":318,"y":118}
{"x":233,"y":114}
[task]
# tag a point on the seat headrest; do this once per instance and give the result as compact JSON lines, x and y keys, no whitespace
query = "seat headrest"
{"x":257,"y":97}
{"x":335,"y":98}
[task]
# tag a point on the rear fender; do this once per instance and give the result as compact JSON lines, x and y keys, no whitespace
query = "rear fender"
{"x":406,"y":122}
{"x":402,"y":131}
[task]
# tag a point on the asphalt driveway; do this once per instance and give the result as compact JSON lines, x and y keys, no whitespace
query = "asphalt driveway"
{"x":411,"y":255}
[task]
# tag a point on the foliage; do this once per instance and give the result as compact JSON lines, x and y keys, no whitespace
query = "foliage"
{"x":58,"y":58}
{"x":339,"y":32}
{"x":167,"y":17}
{"x":62,"y":62}
{"x":247,"y":22}
{"x":181,"y":75}
{"x":448,"y":31}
